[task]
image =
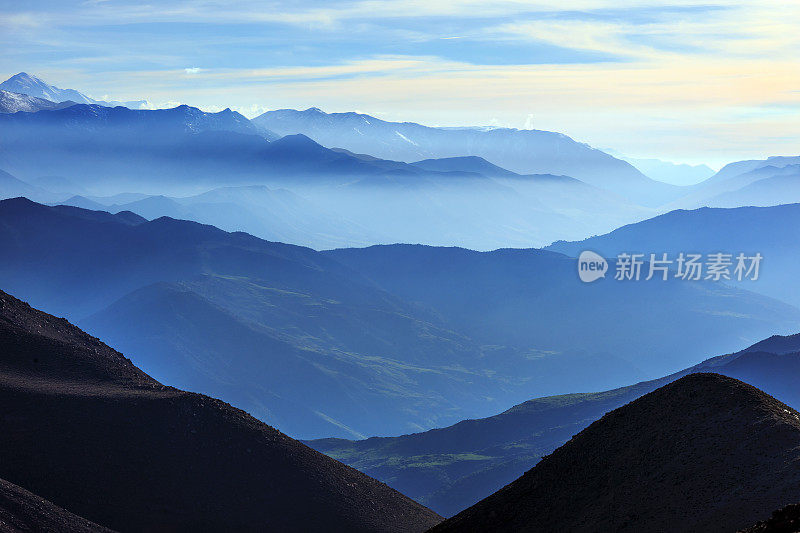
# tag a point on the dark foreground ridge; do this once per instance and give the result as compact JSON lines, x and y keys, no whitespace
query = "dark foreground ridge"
{"x":704,"y":453}
{"x":22,"y":511}
{"x":786,"y":520}
{"x":84,"y":428}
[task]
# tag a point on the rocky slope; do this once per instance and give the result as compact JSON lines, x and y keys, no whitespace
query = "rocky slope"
{"x":22,"y":511}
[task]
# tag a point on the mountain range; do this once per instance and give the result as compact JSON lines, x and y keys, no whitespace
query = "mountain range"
{"x":395,"y":339}
{"x":673,"y":173}
{"x":756,"y":182}
{"x":84,"y":418}
{"x":521,"y":151}
{"x":255,"y":262}
{"x":770,"y":186}
{"x":183,"y":151}
{"x":448,"y":469}
{"x":336,"y":217}
{"x":710,"y":452}
{"x":704,"y":453}
{"x":11,"y":187}
{"x":524,"y":152}
{"x":164,"y":141}
{"x":93,"y":434}
{"x":274,"y":214}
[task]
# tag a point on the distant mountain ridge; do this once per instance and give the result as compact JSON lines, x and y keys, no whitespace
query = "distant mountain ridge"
{"x":451,"y":468}
{"x":11,"y":187}
{"x":770,"y":231}
{"x":271,"y":214}
{"x":735,"y":185}
{"x":25,"y":83}
{"x":11,"y":102}
{"x":182,"y":151}
{"x":673,"y":173}
{"x":770,"y":186}
{"x":207,"y":144}
{"x":521,"y":151}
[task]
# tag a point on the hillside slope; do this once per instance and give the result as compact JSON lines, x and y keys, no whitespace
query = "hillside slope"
{"x":86,"y":429}
{"x":703,"y":453}
{"x":22,"y":511}
{"x":534,"y":298}
{"x":451,"y":468}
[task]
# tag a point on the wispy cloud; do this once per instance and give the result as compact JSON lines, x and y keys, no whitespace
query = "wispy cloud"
{"x":645,"y":76}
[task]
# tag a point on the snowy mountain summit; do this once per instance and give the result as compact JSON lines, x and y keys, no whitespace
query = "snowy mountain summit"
{"x":28,"y":84}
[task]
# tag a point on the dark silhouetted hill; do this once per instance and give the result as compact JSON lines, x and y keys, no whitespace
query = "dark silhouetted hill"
{"x":86,"y":429}
{"x":22,"y":511}
{"x":704,"y":453}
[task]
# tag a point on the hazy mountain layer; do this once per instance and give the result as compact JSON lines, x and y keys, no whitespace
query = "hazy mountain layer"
{"x":521,"y":151}
{"x":771,"y":231}
{"x":179,"y":295}
{"x":364,"y":200}
{"x":729,"y":186}
{"x":451,"y":468}
{"x":534,"y":299}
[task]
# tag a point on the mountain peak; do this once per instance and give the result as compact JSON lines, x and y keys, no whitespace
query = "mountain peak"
{"x":29,"y":84}
{"x":23,"y":76}
{"x":297,"y":140}
{"x":706,"y":447}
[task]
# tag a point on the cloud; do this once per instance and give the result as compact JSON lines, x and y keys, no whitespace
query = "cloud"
{"x":664,"y":77}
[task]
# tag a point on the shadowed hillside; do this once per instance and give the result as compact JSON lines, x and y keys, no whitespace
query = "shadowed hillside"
{"x":706,"y":452}
{"x":22,"y":511}
{"x":86,"y":429}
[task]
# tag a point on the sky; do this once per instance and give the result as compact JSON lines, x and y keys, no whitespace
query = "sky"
{"x":682,"y":80}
